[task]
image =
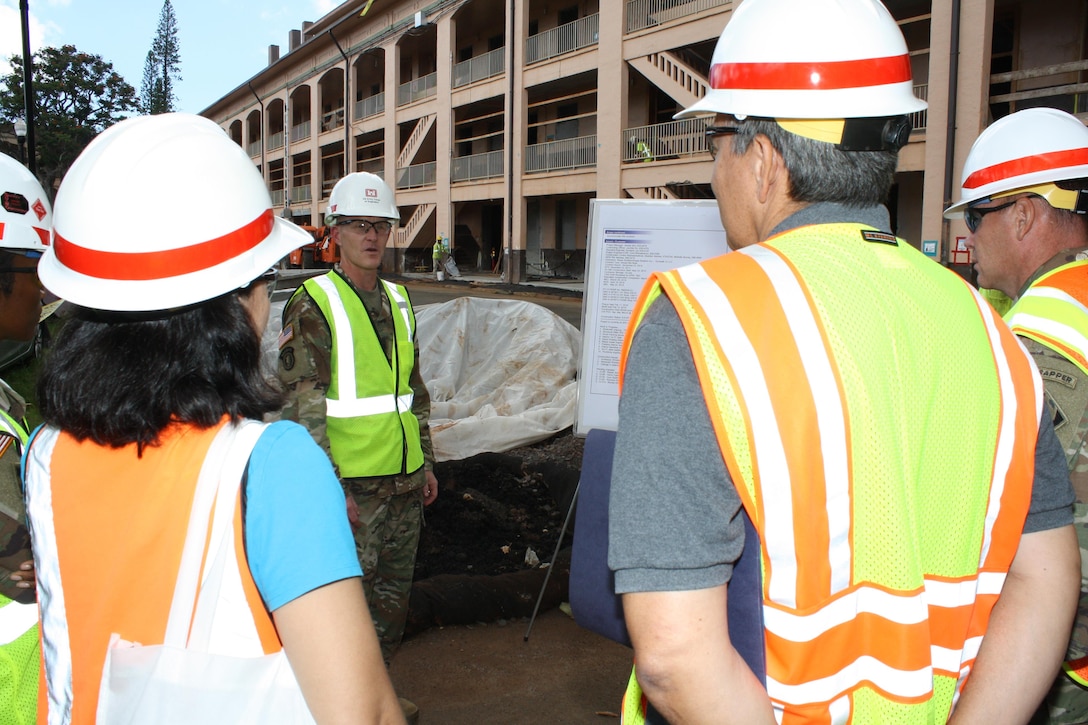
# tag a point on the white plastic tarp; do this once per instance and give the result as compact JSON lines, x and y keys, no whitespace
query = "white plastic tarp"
{"x":501,"y":373}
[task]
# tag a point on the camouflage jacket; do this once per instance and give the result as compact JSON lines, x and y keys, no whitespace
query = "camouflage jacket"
{"x":305,"y":369}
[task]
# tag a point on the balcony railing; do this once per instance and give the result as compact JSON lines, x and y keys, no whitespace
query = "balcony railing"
{"x":1060,"y":84}
{"x":300,"y":131}
{"x":477,"y":166}
{"x":564,"y":39}
{"x":411,"y":177}
{"x":300,"y":193}
{"x":332,"y":120}
{"x":647,"y":13}
{"x":373,"y":166}
{"x":571,"y":153}
{"x":254,"y":148}
{"x":918,"y":118}
{"x":418,"y":89}
{"x":275,"y":141}
{"x":277,"y":197}
{"x":670,"y":140}
{"x":371,"y":106}
{"x":483,"y":66}
{"x":326,"y":187}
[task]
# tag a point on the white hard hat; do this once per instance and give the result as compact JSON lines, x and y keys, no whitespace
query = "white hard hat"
{"x":362,"y":194}
{"x":1024,"y":149}
{"x":809,"y":59}
{"x":25,"y":216}
{"x":161,"y":212}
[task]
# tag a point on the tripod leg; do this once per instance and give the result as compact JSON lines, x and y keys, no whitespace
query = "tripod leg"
{"x":548,"y":574}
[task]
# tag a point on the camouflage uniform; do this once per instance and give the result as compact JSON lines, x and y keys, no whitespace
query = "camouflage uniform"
{"x":390,"y":507}
{"x":1065,"y":389}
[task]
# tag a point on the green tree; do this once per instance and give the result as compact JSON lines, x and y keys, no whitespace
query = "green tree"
{"x":162,"y":67}
{"x":76,"y":96}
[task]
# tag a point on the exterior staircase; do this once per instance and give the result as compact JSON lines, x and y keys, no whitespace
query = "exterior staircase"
{"x":408,"y":231}
{"x":684,"y":84}
{"x":415,"y":140}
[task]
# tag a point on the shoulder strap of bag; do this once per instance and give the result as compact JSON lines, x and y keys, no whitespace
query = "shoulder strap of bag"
{"x":217,"y":486}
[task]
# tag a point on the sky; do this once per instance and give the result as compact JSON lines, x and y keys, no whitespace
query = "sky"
{"x":223,"y":43}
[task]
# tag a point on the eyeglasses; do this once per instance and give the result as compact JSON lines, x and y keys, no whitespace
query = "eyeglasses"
{"x":363,"y":226}
{"x":972,"y":215}
{"x":269,"y":278}
{"x":27,"y":253}
{"x":714,"y":131}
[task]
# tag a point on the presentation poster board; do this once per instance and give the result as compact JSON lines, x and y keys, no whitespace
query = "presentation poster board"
{"x":629,"y":239}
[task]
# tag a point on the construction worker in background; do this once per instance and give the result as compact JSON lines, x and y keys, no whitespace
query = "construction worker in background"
{"x":808,"y":374}
{"x":350,"y":362}
{"x":1024,"y":199}
{"x":25,"y":223}
{"x":438,"y":256}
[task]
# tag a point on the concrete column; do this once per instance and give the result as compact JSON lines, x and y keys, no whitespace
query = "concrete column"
{"x":514,"y":201}
{"x":612,"y":92}
{"x":443,"y":129}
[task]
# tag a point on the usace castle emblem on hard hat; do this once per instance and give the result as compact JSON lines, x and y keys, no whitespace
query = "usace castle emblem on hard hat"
{"x":371,"y":193}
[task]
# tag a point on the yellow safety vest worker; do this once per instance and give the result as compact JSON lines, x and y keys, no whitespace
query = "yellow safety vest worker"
{"x":874,"y":607}
{"x":1053,"y":311}
{"x":372,"y":429}
{"x":19,"y":646}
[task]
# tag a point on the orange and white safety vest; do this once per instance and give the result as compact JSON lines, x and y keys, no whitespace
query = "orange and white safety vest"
{"x":888,"y":493}
{"x":109,"y":527}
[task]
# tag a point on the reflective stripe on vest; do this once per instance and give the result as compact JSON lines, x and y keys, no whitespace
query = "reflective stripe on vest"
{"x":371,"y":427}
{"x":843,"y":620}
{"x":15,"y":429}
{"x":16,"y":620}
{"x":1054,"y":312}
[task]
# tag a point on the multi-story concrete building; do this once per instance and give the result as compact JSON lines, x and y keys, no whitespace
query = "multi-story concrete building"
{"x":498,"y":120}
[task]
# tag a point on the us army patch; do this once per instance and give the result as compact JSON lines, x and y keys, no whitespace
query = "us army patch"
{"x":287,"y":358}
{"x":286,"y":335}
{"x":881,"y":237}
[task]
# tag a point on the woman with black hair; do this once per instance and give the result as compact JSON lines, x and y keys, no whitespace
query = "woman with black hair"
{"x":153,"y":388}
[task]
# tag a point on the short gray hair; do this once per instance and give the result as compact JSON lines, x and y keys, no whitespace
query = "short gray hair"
{"x":821,"y":172}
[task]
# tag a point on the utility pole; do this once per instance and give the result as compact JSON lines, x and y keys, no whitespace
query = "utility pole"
{"x":28,"y":88}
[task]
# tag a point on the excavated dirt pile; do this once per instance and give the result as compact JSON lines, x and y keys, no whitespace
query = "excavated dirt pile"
{"x":489,"y":537}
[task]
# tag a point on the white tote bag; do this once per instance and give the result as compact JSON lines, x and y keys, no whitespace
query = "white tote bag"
{"x":215,"y":672}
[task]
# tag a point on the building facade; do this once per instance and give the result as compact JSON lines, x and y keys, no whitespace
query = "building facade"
{"x":498,"y":121}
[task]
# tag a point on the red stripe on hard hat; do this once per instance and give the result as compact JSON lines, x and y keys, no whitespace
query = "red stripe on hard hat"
{"x":1026,"y":165}
{"x":131,"y":266}
{"x":814,"y":76}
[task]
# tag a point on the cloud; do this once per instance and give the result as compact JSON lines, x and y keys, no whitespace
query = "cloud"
{"x":11,"y":30}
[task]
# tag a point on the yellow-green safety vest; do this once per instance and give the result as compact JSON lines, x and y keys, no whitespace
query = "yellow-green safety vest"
{"x":371,"y":427}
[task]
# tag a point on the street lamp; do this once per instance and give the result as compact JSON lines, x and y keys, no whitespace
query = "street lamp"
{"x":20,"y":135}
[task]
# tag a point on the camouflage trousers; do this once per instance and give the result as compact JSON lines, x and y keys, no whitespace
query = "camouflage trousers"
{"x":1067,"y":701}
{"x":386,"y":542}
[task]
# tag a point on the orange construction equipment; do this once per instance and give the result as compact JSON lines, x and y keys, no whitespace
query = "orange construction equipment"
{"x":322,"y":252}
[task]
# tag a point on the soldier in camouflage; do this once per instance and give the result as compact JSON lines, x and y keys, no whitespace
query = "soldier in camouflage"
{"x":1034,"y":249}
{"x":350,"y":363}
{"x":25,"y":223}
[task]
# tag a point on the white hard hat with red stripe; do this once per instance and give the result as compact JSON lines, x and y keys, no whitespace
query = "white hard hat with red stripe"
{"x":1022,"y":151}
{"x":809,"y":59}
{"x":362,"y":194}
{"x":25,"y":216}
{"x":160,"y":212}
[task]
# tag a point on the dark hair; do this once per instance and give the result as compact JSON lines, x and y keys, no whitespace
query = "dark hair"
{"x":7,"y":279}
{"x":821,"y":172}
{"x":119,"y":378}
